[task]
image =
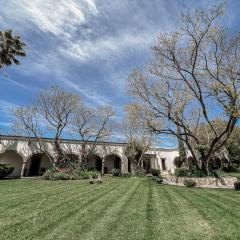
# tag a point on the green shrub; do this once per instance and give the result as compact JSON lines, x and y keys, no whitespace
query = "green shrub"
{"x":237,"y":185}
{"x":139,"y":173}
{"x":116,"y":172}
{"x":94,"y":174}
{"x":126,"y":174}
{"x":189,"y":183}
{"x":157,"y":179}
{"x":230,"y":168}
{"x":69,"y":174}
{"x":53,"y":175}
{"x":182,"y":172}
{"x":61,"y":176}
{"x":83,"y":174}
{"x":197,"y":173}
{"x":5,"y":170}
{"x":155,"y":172}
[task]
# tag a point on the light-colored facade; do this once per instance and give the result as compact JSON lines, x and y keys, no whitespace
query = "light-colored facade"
{"x":29,"y":161}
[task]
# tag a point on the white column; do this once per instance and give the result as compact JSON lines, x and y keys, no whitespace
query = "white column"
{"x":23,"y":168}
{"x":124,"y":164}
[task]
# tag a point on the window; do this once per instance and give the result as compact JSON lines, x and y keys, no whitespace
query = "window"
{"x":163,"y":164}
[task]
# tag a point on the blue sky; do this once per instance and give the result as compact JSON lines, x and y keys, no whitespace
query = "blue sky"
{"x":87,"y":46}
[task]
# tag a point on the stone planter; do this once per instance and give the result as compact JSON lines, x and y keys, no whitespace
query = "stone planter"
{"x":206,"y":181}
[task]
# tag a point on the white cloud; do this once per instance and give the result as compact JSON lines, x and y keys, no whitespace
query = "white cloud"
{"x":61,"y":18}
{"x":92,"y":6}
{"x":106,"y":45}
{"x":57,"y":17}
{"x":90,"y":94}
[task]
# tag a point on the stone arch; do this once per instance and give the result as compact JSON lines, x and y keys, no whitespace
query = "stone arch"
{"x":37,"y":164}
{"x":112,"y":161}
{"x":13,"y":158}
{"x":94,"y":163}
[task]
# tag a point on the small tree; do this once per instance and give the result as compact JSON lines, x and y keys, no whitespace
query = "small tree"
{"x":91,"y":126}
{"x":49,"y":113}
{"x":137,"y":136}
{"x":11,"y":47}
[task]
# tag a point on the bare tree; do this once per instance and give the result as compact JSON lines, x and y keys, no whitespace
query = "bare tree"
{"x":48,"y":115}
{"x":195,"y":72}
{"x":138,"y":138}
{"x":91,"y":126}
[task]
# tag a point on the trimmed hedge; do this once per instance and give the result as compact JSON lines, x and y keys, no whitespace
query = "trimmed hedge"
{"x":5,"y":170}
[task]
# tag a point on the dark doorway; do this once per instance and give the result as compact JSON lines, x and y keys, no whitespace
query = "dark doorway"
{"x":129,"y":166}
{"x":146,"y":165}
{"x":163,"y":164}
{"x":117,"y":163}
{"x":35,"y":166}
{"x":98,"y":164}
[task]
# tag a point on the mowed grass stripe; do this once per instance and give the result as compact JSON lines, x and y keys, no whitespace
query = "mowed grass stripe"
{"x":177,"y":215}
{"x":60,"y":218}
{"x":121,"y":216}
{"x":119,"y":209}
{"x":85,"y":221}
{"x":193,"y":223}
{"x":27,"y":202}
{"x":48,"y":188}
{"x":221,"y":204}
{"x":17,"y":186}
{"x":34,"y":226}
{"x":63,"y":203}
{"x":131,"y":221}
{"x":225,"y":226}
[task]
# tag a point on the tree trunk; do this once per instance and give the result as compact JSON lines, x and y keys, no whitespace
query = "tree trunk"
{"x":204,"y":167}
{"x":60,"y":154}
{"x":103,"y":163}
{"x":83,"y":159}
{"x":181,"y":147}
{"x":133,"y":167}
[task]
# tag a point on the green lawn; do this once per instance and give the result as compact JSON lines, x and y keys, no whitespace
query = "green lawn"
{"x":121,"y":208}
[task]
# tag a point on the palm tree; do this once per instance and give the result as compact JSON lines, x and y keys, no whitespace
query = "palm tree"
{"x":10,"y":48}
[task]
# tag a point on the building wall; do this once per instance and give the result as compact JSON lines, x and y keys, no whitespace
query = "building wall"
{"x":24,"y":149}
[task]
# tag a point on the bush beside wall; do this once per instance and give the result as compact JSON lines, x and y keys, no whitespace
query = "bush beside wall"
{"x":5,"y":170}
{"x":155,"y":172}
{"x":189,"y":183}
{"x":237,"y":185}
{"x":53,"y":175}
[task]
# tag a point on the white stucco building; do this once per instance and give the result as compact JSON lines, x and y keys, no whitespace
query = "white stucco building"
{"x":29,"y":161}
